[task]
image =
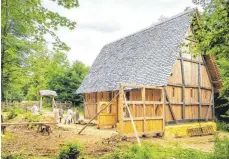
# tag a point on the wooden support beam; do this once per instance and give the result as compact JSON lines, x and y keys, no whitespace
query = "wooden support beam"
{"x":213,"y":106}
{"x":144,"y":108}
{"x":210,"y":106}
{"x":170,"y":107}
{"x":188,"y":86}
{"x":199,"y":90}
{"x":132,"y":122}
{"x":189,"y":60}
{"x":142,"y":102}
{"x":142,"y":118}
{"x":40,"y":102}
{"x":189,"y":104}
{"x":183,"y":86}
{"x":25,"y":123}
{"x":139,"y":86}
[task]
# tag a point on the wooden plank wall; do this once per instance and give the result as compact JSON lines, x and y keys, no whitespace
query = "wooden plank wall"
{"x":190,"y":90}
{"x":91,"y":102}
{"x":196,"y":87}
{"x":147,"y":109}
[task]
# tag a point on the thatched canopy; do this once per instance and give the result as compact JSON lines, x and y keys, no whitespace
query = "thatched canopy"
{"x":47,"y":93}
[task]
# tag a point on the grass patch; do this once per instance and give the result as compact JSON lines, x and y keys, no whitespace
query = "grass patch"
{"x":152,"y":151}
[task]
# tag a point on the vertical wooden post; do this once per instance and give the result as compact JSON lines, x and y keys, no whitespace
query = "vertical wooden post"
{"x":144,"y":108}
{"x":132,"y":122}
{"x":164,"y":103}
{"x":199,"y":90}
{"x":210,"y":106}
{"x":213,"y":104}
{"x":52,"y":102}
{"x":41,"y":103}
{"x":183,"y":86}
{"x":163,"y":108}
{"x":120,"y":109}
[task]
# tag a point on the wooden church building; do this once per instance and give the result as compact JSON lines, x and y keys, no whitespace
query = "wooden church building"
{"x":149,"y":78}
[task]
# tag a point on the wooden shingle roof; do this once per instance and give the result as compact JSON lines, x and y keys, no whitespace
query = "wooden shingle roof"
{"x":145,"y":57}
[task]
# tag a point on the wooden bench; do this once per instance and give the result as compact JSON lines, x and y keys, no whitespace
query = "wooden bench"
{"x":43,"y":127}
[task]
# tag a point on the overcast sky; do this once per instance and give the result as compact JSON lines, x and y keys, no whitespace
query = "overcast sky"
{"x":102,"y":21}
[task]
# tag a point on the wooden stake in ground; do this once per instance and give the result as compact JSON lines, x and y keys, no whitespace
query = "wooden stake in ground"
{"x":98,"y":113}
{"x":132,"y":121}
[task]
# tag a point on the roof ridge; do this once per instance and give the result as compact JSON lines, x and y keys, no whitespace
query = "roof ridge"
{"x":154,"y":25}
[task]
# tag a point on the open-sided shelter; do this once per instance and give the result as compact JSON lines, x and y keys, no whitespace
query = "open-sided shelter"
{"x":152,"y":72}
{"x":47,"y":93}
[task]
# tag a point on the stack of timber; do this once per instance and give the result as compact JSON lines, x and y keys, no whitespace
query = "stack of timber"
{"x":200,"y":131}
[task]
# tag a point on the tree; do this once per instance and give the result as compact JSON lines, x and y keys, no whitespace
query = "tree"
{"x":212,"y":35}
{"x":66,"y":82}
{"x":24,"y":26}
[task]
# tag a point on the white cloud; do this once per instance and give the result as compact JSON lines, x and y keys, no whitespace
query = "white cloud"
{"x":103,"y":21}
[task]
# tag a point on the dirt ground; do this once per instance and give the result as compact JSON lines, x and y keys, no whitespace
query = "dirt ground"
{"x":26,"y":141}
{"x":21,"y":140}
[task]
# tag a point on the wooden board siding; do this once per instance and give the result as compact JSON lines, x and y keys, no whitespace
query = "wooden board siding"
{"x":177,"y":109}
{"x":205,"y":81}
{"x":91,"y":101}
{"x":174,"y":94}
{"x":191,"y":112}
{"x":147,"y":110}
{"x":191,"y":72}
{"x":193,"y":97}
{"x":176,"y":73}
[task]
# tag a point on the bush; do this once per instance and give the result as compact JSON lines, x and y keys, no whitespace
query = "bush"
{"x":14,"y":111}
{"x":71,"y":151}
{"x":32,"y":118}
{"x":222,"y":126}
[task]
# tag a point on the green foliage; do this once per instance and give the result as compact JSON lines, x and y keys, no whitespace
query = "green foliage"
{"x":212,"y":35}
{"x":66,"y":82}
{"x":32,"y":118}
{"x":24,"y":26}
{"x":70,"y":151}
{"x":151,"y":151}
{"x":13,"y":157}
{"x":14,"y":111}
{"x":222,"y":126}
{"x":27,"y":65}
{"x":221,"y":148}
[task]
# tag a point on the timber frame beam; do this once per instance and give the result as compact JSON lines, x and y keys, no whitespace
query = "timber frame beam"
{"x":188,"y":86}
{"x":183,"y":86}
{"x":169,"y":103}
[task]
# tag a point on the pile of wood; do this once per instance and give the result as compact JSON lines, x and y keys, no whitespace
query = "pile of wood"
{"x":200,"y":131}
